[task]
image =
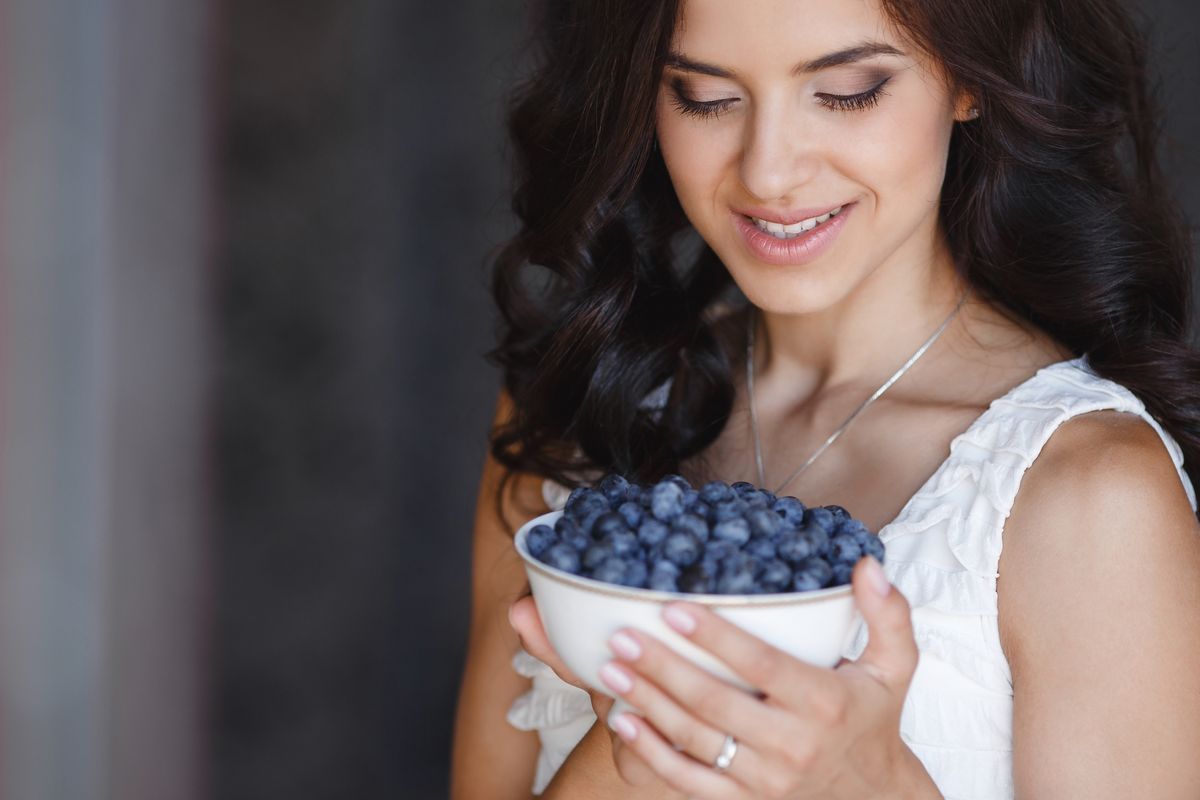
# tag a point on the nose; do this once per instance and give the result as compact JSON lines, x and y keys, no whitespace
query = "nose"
{"x":778,"y":158}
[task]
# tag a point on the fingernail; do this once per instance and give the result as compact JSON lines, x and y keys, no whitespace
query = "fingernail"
{"x":875,"y":577}
{"x":625,"y":727}
{"x":679,"y":619}
{"x":615,"y":678}
{"x":625,"y":646}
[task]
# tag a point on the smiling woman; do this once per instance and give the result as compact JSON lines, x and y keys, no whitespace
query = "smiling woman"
{"x":854,"y":177}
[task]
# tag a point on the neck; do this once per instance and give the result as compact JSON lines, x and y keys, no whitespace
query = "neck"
{"x":860,"y":338}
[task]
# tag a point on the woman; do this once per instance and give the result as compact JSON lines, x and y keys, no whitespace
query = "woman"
{"x":769,"y":211}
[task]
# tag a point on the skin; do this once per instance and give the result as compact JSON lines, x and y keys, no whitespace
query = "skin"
{"x":831,"y":332}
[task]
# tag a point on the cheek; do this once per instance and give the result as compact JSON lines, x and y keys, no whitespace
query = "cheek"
{"x":902,"y":157}
{"x":696,"y":157}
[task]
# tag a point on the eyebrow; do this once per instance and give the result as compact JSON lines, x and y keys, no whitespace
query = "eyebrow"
{"x":842,"y":57}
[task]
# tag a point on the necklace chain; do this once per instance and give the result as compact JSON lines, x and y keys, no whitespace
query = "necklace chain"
{"x":758,"y":457}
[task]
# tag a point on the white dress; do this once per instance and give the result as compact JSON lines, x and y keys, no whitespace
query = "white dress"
{"x":943,"y":550}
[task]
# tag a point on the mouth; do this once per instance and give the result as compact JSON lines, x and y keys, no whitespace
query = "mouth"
{"x":780,"y":231}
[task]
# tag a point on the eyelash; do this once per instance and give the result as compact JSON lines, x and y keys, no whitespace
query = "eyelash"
{"x":853,"y":102}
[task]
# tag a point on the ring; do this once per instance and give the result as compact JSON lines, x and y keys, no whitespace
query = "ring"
{"x":728,"y":751}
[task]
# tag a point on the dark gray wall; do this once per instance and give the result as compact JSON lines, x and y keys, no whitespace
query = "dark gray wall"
{"x":363,"y":185}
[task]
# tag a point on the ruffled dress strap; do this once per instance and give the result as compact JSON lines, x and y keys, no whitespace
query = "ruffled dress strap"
{"x":943,"y":553}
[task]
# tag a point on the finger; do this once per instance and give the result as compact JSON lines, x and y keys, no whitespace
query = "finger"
{"x":789,"y":681}
{"x":679,"y":771}
{"x":685,"y":701}
{"x":891,"y":653}
{"x":524,"y":618}
{"x":686,"y":733}
{"x":630,"y":766}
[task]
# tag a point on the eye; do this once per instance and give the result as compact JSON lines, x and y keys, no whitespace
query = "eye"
{"x":853,"y":102}
{"x":695,"y":108}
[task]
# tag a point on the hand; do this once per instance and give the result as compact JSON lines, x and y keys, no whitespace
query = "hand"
{"x":828,"y":733}
{"x":524,"y":618}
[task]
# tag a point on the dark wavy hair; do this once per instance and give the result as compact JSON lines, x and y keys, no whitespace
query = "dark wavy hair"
{"x":1054,"y":204}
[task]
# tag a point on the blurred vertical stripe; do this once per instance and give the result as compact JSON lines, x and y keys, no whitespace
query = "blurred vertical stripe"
{"x":104,"y":295}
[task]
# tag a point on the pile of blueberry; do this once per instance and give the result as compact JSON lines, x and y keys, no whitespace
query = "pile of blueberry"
{"x":719,"y":539}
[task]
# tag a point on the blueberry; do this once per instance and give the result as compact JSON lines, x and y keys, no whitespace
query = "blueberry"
{"x":576,"y":493}
{"x":634,"y":493}
{"x":806,"y":582}
{"x":761,"y":548}
{"x":570,"y":533}
{"x":682,"y":548}
{"x":584,"y":502}
{"x":769,"y":496}
{"x":697,"y":579}
{"x":764,"y":522}
{"x":666,"y":501}
{"x":632,"y":513}
{"x":821,"y":517}
{"x":587,"y":524}
{"x":614,"y":487}
{"x":539,"y":538}
{"x":680,"y":481}
{"x":701,"y":509}
{"x":841,"y":574}
{"x":776,"y":575}
{"x":844,"y":548}
{"x":611,"y":570}
{"x":735,"y":530}
{"x":736,"y":575}
{"x":635,"y":575}
{"x":790,"y":509}
{"x":714,"y":492}
{"x":795,"y":546}
{"x":664,"y":577}
{"x":742,"y":489}
{"x":839,"y":514}
{"x":607,"y":523}
{"x":851,"y":526}
{"x":817,"y":567}
{"x":873,"y":546}
{"x":623,"y":542}
{"x":690,"y":497}
{"x":719,"y":549}
{"x":817,"y":535}
{"x":696,"y":526}
{"x":652,"y":532}
{"x":562,"y":556}
{"x":596,"y":554}
{"x":729,"y":509}
{"x":757,"y":500}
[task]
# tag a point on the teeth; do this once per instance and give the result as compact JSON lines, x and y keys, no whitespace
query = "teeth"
{"x":792,"y":231}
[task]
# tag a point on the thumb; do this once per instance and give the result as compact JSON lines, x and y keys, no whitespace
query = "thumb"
{"x":891,"y":653}
{"x":524,"y":618}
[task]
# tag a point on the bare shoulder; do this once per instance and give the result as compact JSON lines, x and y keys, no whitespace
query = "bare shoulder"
{"x":1099,"y":587}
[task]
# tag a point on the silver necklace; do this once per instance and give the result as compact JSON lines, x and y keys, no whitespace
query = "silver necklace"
{"x":758,"y":458}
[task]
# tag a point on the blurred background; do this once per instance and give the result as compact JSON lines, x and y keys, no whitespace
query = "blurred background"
{"x":243,"y":401}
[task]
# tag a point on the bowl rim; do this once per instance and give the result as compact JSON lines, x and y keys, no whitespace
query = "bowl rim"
{"x":631,"y":593}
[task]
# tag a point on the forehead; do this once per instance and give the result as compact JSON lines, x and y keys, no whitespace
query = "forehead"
{"x":772,"y":35}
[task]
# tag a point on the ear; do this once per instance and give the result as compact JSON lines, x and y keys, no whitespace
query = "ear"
{"x":967,"y":106}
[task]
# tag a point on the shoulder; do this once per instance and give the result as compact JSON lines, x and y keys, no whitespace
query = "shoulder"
{"x":1099,"y":589}
{"x":1102,"y":509}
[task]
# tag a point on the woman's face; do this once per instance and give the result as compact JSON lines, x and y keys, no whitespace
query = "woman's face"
{"x":816,"y":106}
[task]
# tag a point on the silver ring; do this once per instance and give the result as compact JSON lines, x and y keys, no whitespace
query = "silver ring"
{"x":728,"y":751}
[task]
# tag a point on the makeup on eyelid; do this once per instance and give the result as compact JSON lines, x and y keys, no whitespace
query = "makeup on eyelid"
{"x":685,"y":103}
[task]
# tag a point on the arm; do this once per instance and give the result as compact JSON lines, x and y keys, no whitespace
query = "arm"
{"x":1099,"y":596}
{"x":490,"y":758}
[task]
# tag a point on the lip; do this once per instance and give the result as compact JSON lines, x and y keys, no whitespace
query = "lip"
{"x":805,"y":248}
{"x":785,"y":218}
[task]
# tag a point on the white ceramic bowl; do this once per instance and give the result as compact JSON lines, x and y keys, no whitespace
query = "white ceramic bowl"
{"x":580,"y":614}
